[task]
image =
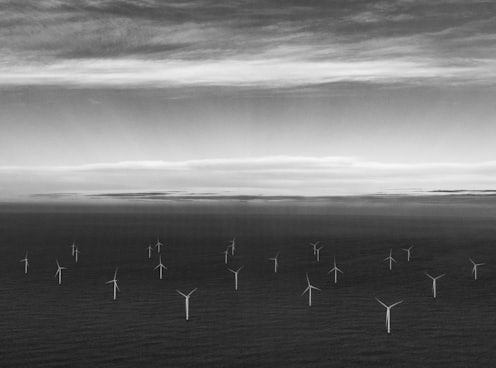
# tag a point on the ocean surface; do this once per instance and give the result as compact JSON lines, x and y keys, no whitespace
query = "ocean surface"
{"x":267,"y":322}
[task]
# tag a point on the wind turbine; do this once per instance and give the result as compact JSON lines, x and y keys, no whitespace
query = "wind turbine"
{"x":76,"y":254}
{"x":474,"y":269}
{"x":434,"y":279}
{"x":408,"y":252}
{"x":390,"y":259}
{"x":232,"y":246}
{"x":186,"y":301}
{"x":160,"y":266}
{"x":314,"y":246}
{"x":158,"y":244}
{"x":26,"y":263}
{"x":73,"y":247}
{"x":276,"y":263}
{"x":149,"y":248}
{"x":388,"y":313}
{"x":335,"y":269}
{"x":114,"y":281}
{"x":226,"y":255}
{"x":318,"y":253}
{"x":236,"y":276}
{"x":59,"y":271}
{"x":309,"y":289}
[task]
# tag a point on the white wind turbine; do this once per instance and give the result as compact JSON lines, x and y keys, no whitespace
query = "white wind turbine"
{"x":226,"y":255}
{"x":73,"y":248}
{"x":390,"y":259}
{"x":388,"y":313}
{"x":335,"y":269}
{"x":232,"y":246}
{"x":26,"y":263}
{"x":318,"y":253}
{"x":309,"y":290}
{"x":59,"y":271}
{"x":158,"y":244}
{"x":314,"y":246}
{"x":474,"y":269}
{"x":186,"y":301}
{"x":276,"y":263}
{"x":76,"y":254}
{"x":236,"y":276}
{"x":434,"y":279}
{"x":408,"y":252}
{"x":160,"y":266}
{"x":114,"y":282}
{"x":149,"y":248}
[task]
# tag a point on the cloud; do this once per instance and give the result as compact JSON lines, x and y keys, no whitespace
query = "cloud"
{"x":278,"y":175}
{"x":239,"y":43}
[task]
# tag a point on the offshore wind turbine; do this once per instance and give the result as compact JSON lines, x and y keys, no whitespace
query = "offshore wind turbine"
{"x":160,"y":266}
{"x":309,"y":290}
{"x":73,"y":248}
{"x":408,"y":252}
{"x":76,"y":254}
{"x":276,"y":263}
{"x":186,"y":301}
{"x":474,"y":269}
{"x":26,"y":263}
{"x":434,"y":279}
{"x":335,"y":269}
{"x":236,"y":276}
{"x":158,"y":244}
{"x":149,"y":248}
{"x":114,"y":282}
{"x":59,"y":271}
{"x":314,"y":246}
{"x":390,"y":259}
{"x":226,"y":255}
{"x":232,"y":246}
{"x":388,"y":313}
{"x":317,"y":250}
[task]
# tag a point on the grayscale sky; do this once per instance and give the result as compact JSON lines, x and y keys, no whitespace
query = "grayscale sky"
{"x":247,"y":97}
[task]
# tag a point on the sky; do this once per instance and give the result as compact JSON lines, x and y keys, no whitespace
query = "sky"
{"x":296,"y":97}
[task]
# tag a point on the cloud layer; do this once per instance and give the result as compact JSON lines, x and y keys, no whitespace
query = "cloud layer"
{"x":246,"y":43}
{"x":280,"y":175}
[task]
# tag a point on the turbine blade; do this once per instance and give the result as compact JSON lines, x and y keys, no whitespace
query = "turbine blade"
{"x":192,"y":291}
{"x":181,"y":293}
{"x":304,"y":291}
{"x":392,"y":305}
{"x":380,"y":302}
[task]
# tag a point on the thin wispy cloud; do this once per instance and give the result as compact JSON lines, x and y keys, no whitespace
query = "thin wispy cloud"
{"x":278,"y":175}
{"x":240,"y":43}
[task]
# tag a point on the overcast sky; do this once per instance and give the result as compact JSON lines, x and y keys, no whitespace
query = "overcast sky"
{"x":247,"y":97}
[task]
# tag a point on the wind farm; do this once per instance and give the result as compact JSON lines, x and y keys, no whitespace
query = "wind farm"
{"x":268,"y":308}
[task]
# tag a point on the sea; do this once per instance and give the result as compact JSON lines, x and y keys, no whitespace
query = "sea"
{"x":267,"y":322}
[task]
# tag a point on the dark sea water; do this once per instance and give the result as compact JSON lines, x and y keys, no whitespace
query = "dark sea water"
{"x":267,"y":322}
